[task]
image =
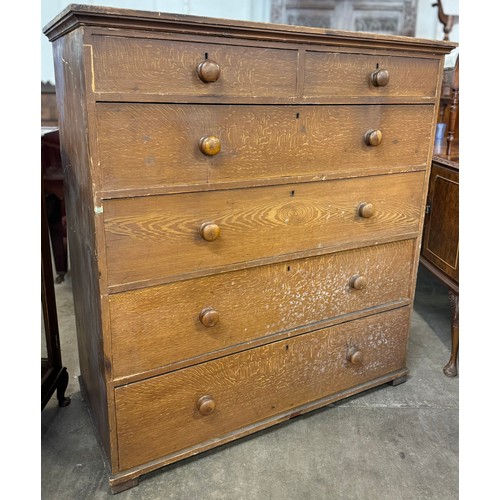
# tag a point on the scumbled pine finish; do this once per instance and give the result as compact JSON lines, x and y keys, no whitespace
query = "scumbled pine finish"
{"x":245,"y":208}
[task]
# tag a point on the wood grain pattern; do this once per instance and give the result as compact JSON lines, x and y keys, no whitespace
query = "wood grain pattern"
{"x":335,"y":74}
{"x":151,"y":23}
{"x":440,"y":246}
{"x":166,"y":67}
{"x":159,"y":416}
{"x":151,"y":145}
{"x":154,"y":327}
{"x":290,"y":107}
{"x":79,"y":195}
{"x":159,"y":236}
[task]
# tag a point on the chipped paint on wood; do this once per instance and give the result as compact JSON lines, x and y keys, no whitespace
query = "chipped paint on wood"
{"x":254,"y":385}
{"x":251,"y":303}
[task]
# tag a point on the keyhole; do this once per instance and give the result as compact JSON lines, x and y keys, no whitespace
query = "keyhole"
{"x":206,"y":57}
{"x":292,"y":193}
{"x":377,"y":66}
{"x":288,"y":268}
{"x":298,"y":114}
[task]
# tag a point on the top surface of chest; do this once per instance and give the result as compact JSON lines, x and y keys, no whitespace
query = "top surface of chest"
{"x":156,"y":57}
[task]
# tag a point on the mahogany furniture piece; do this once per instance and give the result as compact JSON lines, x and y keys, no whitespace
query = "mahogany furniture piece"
{"x":440,"y":244}
{"x":48,"y":105}
{"x":53,"y":185}
{"x":440,"y":239}
{"x":54,"y":374}
{"x":446,"y":20}
{"x":245,"y":205}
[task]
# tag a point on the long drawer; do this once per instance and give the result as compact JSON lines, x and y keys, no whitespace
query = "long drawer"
{"x":157,"y":237}
{"x":169,"y":413}
{"x":158,"y":326}
{"x":145,"y":146}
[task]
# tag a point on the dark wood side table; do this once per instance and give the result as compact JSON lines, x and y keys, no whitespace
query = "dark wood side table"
{"x":54,"y":374}
{"x":53,"y":184}
{"x":439,"y":252}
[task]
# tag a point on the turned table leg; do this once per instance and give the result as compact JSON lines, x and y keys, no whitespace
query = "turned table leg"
{"x":450,"y":370}
{"x":62,"y":385}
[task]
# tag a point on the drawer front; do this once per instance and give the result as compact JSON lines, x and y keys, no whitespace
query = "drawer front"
{"x":170,"y":68}
{"x":333,"y":74}
{"x":156,"y":237}
{"x":154,"y":327}
{"x":163,"y":415}
{"x":154,"y":145}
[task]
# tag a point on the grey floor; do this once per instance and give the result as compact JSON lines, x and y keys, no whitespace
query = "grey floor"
{"x":387,"y":443}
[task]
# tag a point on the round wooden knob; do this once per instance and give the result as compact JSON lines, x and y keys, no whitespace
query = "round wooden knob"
{"x":206,"y":405}
{"x":373,"y":137}
{"x":209,"y":317}
{"x":209,"y":145}
{"x":354,"y":356}
{"x":209,"y":231}
{"x":357,"y":282}
{"x":380,"y":78}
{"x":208,"y":71}
{"x":366,"y":210}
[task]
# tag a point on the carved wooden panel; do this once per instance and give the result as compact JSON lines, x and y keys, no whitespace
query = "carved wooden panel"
{"x":395,"y":17}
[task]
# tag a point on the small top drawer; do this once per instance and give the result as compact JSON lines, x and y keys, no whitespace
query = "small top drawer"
{"x":178,"y":68}
{"x":329,"y":74}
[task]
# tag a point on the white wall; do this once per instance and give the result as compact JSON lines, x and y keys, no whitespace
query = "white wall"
{"x":428,"y":25}
{"x":248,"y":10}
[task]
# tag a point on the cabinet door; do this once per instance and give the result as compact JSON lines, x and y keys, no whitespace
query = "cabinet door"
{"x":440,"y":241}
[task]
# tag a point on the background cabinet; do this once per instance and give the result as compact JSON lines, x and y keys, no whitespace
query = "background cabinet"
{"x":439,"y":251}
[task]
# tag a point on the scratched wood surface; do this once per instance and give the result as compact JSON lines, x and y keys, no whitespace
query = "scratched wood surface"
{"x":152,"y":145}
{"x":166,"y":67}
{"x":159,"y":416}
{"x":157,"y":326}
{"x":81,"y":230}
{"x":158,"y":236}
{"x":291,"y":107}
{"x":440,"y":244}
{"x":331,"y":74}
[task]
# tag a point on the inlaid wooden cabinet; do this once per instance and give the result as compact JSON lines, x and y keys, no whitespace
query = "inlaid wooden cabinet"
{"x":245,"y":205}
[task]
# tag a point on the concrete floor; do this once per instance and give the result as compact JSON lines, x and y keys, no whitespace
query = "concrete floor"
{"x":387,"y":443}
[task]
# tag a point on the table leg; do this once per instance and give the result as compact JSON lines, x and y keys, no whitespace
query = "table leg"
{"x":450,"y":370}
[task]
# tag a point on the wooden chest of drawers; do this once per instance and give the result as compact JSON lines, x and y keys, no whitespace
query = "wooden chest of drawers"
{"x":245,"y":205}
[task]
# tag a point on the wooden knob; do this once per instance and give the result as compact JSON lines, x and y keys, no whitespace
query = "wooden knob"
{"x":373,"y":137}
{"x":380,"y":78}
{"x":354,"y":356}
{"x":206,"y":405}
{"x":209,"y":231}
{"x":366,"y":210}
{"x":209,"y":317}
{"x":209,"y":145}
{"x":208,"y":71}
{"x":357,"y":282}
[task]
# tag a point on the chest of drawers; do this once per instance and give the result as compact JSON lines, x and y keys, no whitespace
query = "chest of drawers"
{"x":245,"y":206}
